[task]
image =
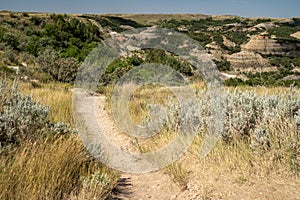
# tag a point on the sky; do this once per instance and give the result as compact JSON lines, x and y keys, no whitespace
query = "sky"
{"x":244,"y":8}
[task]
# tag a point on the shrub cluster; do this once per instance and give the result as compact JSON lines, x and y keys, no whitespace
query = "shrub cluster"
{"x":59,"y":68}
{"x":23,"y":119}
{"x":264,"y":122}
{"x":122,"y":65}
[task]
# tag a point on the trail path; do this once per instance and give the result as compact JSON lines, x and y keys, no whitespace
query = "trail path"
{"x":155,"y":185}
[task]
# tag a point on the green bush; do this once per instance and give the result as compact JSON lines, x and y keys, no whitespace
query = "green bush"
{"x":238,"y":37}
{"x":283,"y":31}
{"x":12,"y":15}
{"x":223,"y":65}
{"x":234,"y":82}
{"x":258,"y":21}
{"x":36,"y":20}
{"x":25,"y":15}
{"x":203,"y":38}
{"x":159,"y":56}
{"x":120,"y":66}
{"x":11,"y":40}
{"x":71,"y":36}
{"x":61,"y":69}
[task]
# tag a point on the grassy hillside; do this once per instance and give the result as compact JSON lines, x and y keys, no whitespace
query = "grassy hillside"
{"x":52,"y":46}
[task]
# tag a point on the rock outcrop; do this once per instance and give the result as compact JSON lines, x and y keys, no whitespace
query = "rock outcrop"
{"x":296,"y":35}
{"x":286,"y":21}
{"x":248,"y":61}
{"x":267,"y":25}
{"x":227,"y":42}
{"x":215,"y":49}
{"x":268,"y":46}
{"x":291,"y":78}
{"x":226,"y":76}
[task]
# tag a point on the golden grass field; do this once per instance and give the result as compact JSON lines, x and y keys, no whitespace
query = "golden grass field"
{"x":61,"y":168}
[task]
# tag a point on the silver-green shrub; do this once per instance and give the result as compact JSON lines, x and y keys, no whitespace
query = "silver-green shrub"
{"x":21,"y":118}
{"x":249,"y":116}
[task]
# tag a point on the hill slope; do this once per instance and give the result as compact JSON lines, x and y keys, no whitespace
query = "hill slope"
{"x":52,"y":46}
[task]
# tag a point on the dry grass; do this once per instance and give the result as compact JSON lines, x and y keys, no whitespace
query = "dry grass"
{"x":58,"y":167}
{"x":232,"y":163}
{"x":262,"y":90}
{"x":178,"y":173}
{"x":144,"y":96}
{"x":58,"y":97}
{"x":236,"y":159}
{"x":234,"y":171}
{"x":50,"y":169}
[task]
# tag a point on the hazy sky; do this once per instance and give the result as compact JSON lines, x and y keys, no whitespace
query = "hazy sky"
{"x":246,"y":8}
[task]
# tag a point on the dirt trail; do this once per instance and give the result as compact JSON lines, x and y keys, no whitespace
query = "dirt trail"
{"x":155,"y":185}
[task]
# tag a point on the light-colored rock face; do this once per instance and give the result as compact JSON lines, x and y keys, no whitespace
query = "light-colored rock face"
{"x":286,"y":21}
{"x":245,"y":60}
{"x":296,"y":35}
{"x":215,"y":50}
{"x":228,"y":43}
{"x":126,"y":27}
{"x":226,"y":76}
{"x":264,"y":45}
{"x":214,"y":28}
{"x":213,"y":46}
{"x":292,"y":78}
{"x":267,"y":25}
{"x":182,"y":28}
{"x":246,"y":57}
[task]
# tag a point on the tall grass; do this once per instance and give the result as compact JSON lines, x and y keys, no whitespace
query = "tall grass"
{"x":55,"y":166}
{"x":57,"y":96}
{"x":52,"y":169}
